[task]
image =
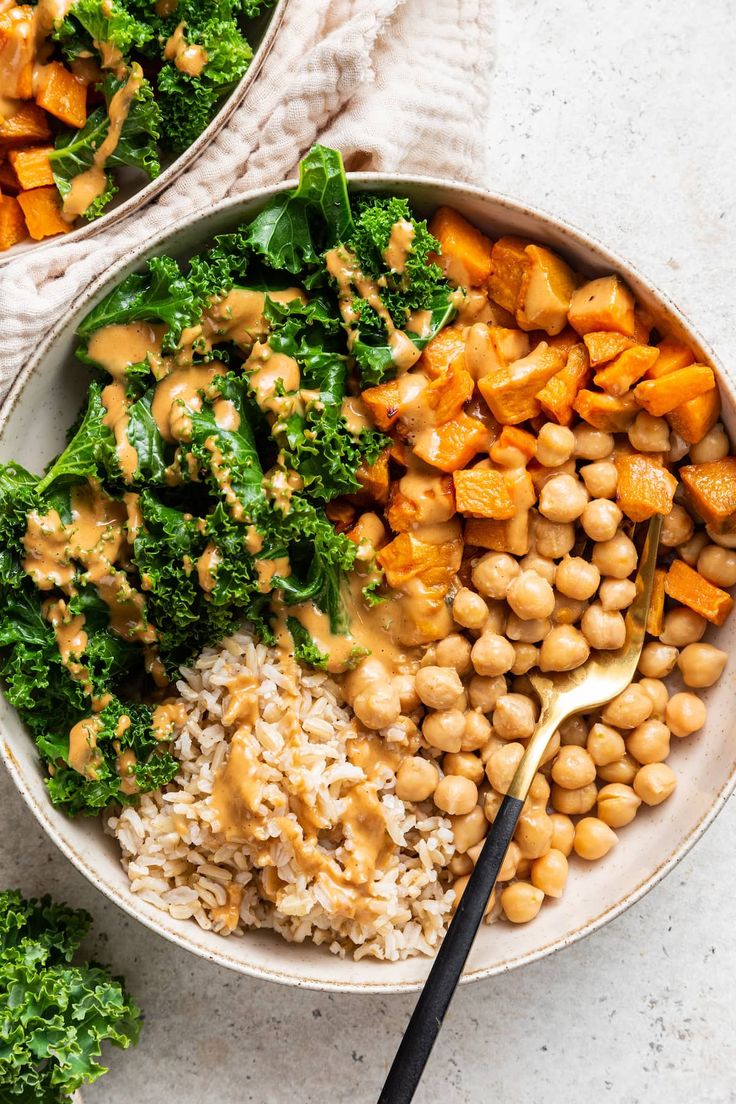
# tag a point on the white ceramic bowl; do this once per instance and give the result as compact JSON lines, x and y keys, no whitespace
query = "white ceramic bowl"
{"x":133,"y":191}
{"x":33,"y":423}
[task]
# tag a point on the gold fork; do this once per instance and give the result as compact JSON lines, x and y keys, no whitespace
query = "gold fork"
{"x":599,"y":680}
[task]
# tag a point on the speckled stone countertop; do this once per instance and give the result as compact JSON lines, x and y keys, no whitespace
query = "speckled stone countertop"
{"x":620,"y":118}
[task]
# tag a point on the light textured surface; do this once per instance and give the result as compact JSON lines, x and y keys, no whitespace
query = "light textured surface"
{"x":620,"y":118}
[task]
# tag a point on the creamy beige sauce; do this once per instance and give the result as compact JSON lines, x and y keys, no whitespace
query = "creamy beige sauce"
{"x":241,"y":704}
{"x":207,"y":565}
{"x":17,"y":54}
{"x":177,"y":394}
{"x":71,"y":640}
{"x":187,"y":58}
{"x":125,"y":766}
{"x":420,"y":323}
{"x":355,"y":415}
{"x":221,"y":474}
{"x":116,"y":404}
{"x":84,"y":756}
{"x":111,"y":57}
{"x":226,"y":415}
{"x":399,"y":245}
{"x":166,"y":717}
{"x":267,"y":570}
{"x":228,"y":914}
{"x":134,"y":521}
{"x":253,"y":540}
{"x":115,"y":348}
{"x":429,"y":494}
{"x":270,"y":372}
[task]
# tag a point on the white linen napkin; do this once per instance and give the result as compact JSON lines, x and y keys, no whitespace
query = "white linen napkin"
{"x":396,"y":85}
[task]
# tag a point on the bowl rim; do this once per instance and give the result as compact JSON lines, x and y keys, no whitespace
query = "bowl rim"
{"x":461,"y":191}
{"x":180,"y":164}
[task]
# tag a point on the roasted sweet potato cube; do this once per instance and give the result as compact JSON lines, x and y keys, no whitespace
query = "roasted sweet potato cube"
{"x":564,"y":341}
{"x":407,"y":558}
{"x":373,"y":479}
{"x":17,"y":52}
{"x":383,"y":402}
{"x":509,"y":262}
{"x":441,"y":351}
{"x":513,"y":447}
{"x":511,"y":392}
{"x":547,"y":284}
{"x":42,"y":210}
{"x":606,"y":412}
{"x":603,"y":346}
{"x":499,"y":536}
{"x":32,"y":166}
{"x":692,"y":420}
{"x":466,"y":253}
{"x":655,"y":616}
{"x":26,"y":125}
{"x":603,"y":304}
{"x":62,"y":94}
{"x":645,"y":487}
{"x":688,"y":587}
{"x":489,"y":348}
{"x":559,"y":393}
{"x":483,"y":493}
{"x":711,"y":489}
{"x":672,"y":355}
{"x":622,"y":373}
{"x":446,"y":395}
{"x":659,"y":396}
{"x":643,"y":325}
{"x":13,"y":227}
{"x":8,"y":180}
{"x":452,"y":446}
{"x":420,"y":499}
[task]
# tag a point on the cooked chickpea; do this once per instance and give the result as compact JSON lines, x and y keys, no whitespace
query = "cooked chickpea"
{"x":416,"y":779}
{"x":685,"y":714}
{"x":723,"y":540}
{"x":492,"y":654}
{"x":677,"y":527}
{"x":618,"y":804}
{"x":592,"y":444}
{"x":677,"y":450}
{"x":444,"y":729}
{"x":530,"y":596}
{"x":600,"y":520}
{"x":469,"y":609}
{"x":521,"y":684}
{"x":629,"y":708}
{"x":691,"y":549}
{"x":563,"y":833}
{"x":649,"y":742}
{"x":378,"y":706}
{"x":469,"y":828}
{"x":616,"y":594}
{"x":615,"y":557}
{"x":521,"y":902}
{"x":407,"y":692}
{"x":563,"y":649}
{"x":510,"y":863}
{"x":493,"y":573}
{"x":577,"y":578}
{"x":649,"y":434}
{"x":574,"y":731}
{"x":541,"y":564}
{"x":491,"y":805}
{"x":718,"y":565}
{"x":456,"y":795}
{"x":454,"y":651}
{"x":659,"y":694}
{"x":603,"y":629}
{"x":654,"y":783}
{"x":526,"y":656}
{"x":682,"y":626}
{"x":552,"y":748}
{"x":555,"y":444}
{"x":459,"y":888}
{"x":567,"y":611}
{"x":714,"y":446}
{"x":593,"y":838}
{"x":477,"y":731}
{"x":600,"y":478}
{"x":528,"y":632}
{"x":574,"y":802}
{"x":539,"y":791}
{"x":549,"y":873}
{"x":657,"y":660}
{"x":701,"y":664}
{"x":484,"y":692}
{"x":620,"y":772}
{"x":513,"y":717}
{"x":501,"y":767}
{"x":438,"y":687}
{"x":563,"y":498}
{"x":369,"y":672}
{"x":534,"y":833}
{"x":573,"y":768}
{"x":605,"y":745}
{"x":460,"y":865}
{"x":553,"y":538}
{"x":464,"y":763}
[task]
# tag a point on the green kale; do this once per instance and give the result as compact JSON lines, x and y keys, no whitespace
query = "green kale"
{"x":305,"y":650}
{"x":145,"y":437}
{"x":91,"y":449}
{"x":54,"y":1015}
{"x":91,"y":21}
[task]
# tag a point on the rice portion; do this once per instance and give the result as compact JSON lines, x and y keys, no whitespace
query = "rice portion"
{"x":312,"y":840}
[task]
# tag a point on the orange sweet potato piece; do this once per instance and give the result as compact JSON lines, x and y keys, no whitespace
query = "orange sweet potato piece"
{"x":509,"y":262}
{"x":42,"y":210}
{"x":441,"y":351}
{"x":624,"y":371}
{"x":711,"y":488}
{"x":27,"y":124}
{"x":606,"y":412}
{"x":558,"y":395}
{"x":62,"y":94}
{"x":655,"y":616}
{"x":32,"y":166}
{"x":466,"y":253}
{"x":447,"y":394}
{"x":373,"y":479}
{"x":499,"y":536}
{"x":672,"y":355}
{"x":603,"y":304}
{"x":483,"y":493}
{"x":688,"y":587}
{"x":645,"y":487}
{"x":564,"y":341}
{"x":692,"y":420}
{"x":452,"y":446}
{"x":406,"y":558}
{"x":603,"y":346}
{"x":8,"y":180}
{"x":659,"y":396}
{"x":547,"y":284}
{"x":383,"y":402}
{"x":433,"y":501}
{"x":13,"y":227}
{"x":17,"y":52}
{"x":511,"y":392}
{"x":510,"y":442}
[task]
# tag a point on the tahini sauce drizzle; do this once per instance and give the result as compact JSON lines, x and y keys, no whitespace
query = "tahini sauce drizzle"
{"x":189,"y":59}
{"x":399,"y":246}
{"x":115,"y":348}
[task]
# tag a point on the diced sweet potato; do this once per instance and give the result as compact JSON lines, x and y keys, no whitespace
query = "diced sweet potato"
{"x":27,"y":124}
{"x":558,"y":395}
{"x":62,"y":94}
{"x":489,"y":348}
{"x":711,"y":488}
{"x":447,"y":394}
{"x":603,"y":346}
{"x":42,"y":210}
{"x":452,"y":446}
{"x":655,"y":616}
{"x":547,"y":285}
{"x":17,"y":52}
{"x":645,"y":487}
{"x":13,"y":227}
{"x":466,"y":253}
{"x":423,"y":501}
{"x":499,"y":536}
{"x":692,"y":420}
{"x":603,"y":304}
{"x":441,"y":351}
{"x":383,"y":402}
{"x":659,"y":396}
{"x":483,"y":493}
{"x":672,"y":355}
{"x":8,"y":180}
{"x":564,"y":341}
{"x":373,"y":479}
{"x":32,"y":166}
{"x":511,"y":392}
{"x":407,"y":558}
{"x":622,"y":373}
{"x":643,"y":325}
{"x":606,"y":412}
{"x":513,"y":447}
{"x":688,"y":587}
{"x":509,"y":262}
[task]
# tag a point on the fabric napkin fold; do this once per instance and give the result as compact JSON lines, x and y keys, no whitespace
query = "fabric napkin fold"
{"x":397,"y":85}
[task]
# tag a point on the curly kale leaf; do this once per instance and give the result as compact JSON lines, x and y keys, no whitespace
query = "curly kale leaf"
{"x":91,"y":449}
{"x":145,"y":437}
{"x":54,"y":1016}
{"x":91,"y":21}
